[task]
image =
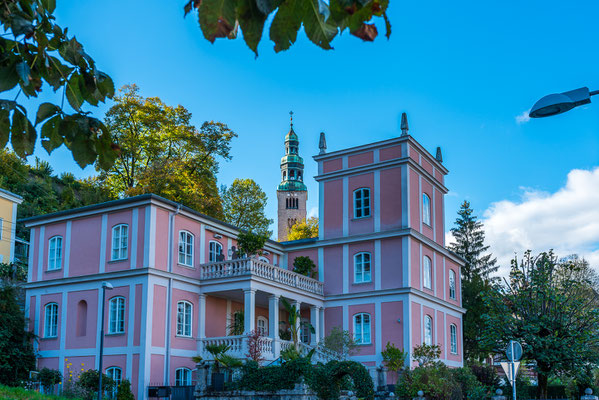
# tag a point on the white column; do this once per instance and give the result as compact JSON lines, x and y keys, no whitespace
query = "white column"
{"x":315,"y":322}
{"x":201,"y":316}
{"x":249,"y":302}
{"x":321,"y":324}
{"x":298,"y":325}
{"x":273,"y":324}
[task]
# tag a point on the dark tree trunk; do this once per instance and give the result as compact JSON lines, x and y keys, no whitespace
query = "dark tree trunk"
{"x":542,"y":388}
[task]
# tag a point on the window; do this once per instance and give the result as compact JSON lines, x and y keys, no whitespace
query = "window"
{"x":182,"y":377}
{"x":362,"y":267}
{"x":428,"y":330}
{"x":81,"y":318}
{"x":120,"y":234}
{"x":263,"y":259}
{"x":453,"y":338}
{"x":1,"y":227}
{"x":51,"y":320}
{"x":427,"y":272}
{"x":116,"y":317}
{"x":116,"y":374}
{"x":262,"y":326}
{"x":184,"y":318}
{"x":451,"y":284}
{"x":55,"y":253}
{"x":362,"y":328}
{"x":186,"y":248}
{"x":426,"y":209}
{"x":305,"y":332}
{"x":215,"y":251}
{"x":362,"y":203}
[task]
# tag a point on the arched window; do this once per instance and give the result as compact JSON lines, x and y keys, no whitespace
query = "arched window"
{"x":284,"y":175}
{"x":362,"y":328}
{"x":215,"y":250}
{"x":182,"y":377}
{"x":120,"y":236}
{"x":51,"y":320}
{"x":453,"y":338}
{"x":451,"y":284}
{"x":55,"y":253}
{"x":184,"y":318}
{"x":263,"y":259}
{"x":426,"y":209}
{"x":82,"y":318}
{"x":116,"y":315}
{"x":117,"y":376}
{"x":427,"y":272}
{"x":186,"y":248}
{"x":262,"y":325}
{"x":362,"y":203}
{"x":362,"y":267}
{"x":428,"y":330}
{"x":305,"y":331}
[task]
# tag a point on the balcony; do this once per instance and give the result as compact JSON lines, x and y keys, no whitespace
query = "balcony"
{"x":253,"y":267}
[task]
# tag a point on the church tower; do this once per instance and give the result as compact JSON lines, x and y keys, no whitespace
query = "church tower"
{"x":292,"y":193}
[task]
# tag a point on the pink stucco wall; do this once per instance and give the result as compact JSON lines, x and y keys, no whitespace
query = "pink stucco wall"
{"x":333,"y":282}
{"x":332,"y":165}
{"x":333,"y":211}
{"x":365,"y":349}
{"x":427,"y":166}
{"x":357,"y":160}
{"x":157,"y":369}
{"x":74,"y":366}
{"x":333,"y":317}
{"x":392,"y":331}
{"x":179,"y":362}
{"x":414,"y":154}
{"x":138,"y":316}
{"x":391,"y":152}
{"x":439,"y":277}
{"x":391,"y":210}
{"x":438,"y":217}
{"x":360,"y":225}
{"x":415,"y":200}
{"x":416,"y":324}
{"x":440,"y":319}
{"x":77,"y":336}
{"x":216,"y":316}
{"x":159,"y":316}
{"x":48,"y":362}
{"x":137,"y":391}
{"x":312,"y":253}
{"x":416,"y":261}
{"x":85,"y":251}
{"x":141,"y":227}
{"x":162,"y":223}
{"x":117,"y":360}
{"x":391,"y":263}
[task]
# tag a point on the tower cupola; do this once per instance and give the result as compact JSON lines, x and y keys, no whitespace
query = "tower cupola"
{"x":292,"y":165}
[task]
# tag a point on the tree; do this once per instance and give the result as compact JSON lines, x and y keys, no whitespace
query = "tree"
{"x":250,"y":243}
{"x":124,"y":391}
{"x":304,"y":265}
{"x":35,"y":49}
{"x":322,"y":21}
{"x":394,"y":358}
{"x":163,"y":153}
{"x":243,"y":205}
{"x":552,"y":308}
{"x":476,"y":279}
{"x":304,"y":229}
{"x":340,"y":342}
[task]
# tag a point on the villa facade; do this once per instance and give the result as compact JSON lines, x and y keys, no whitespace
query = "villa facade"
{"x":383,"y":273}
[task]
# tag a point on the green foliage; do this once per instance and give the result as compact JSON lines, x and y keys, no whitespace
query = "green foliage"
{"x":394,"y":358}
{"x":437,"y":381}
{"x":161,"y":152}
{"x":290,"y":353}
{"x":250,"y":243}
{"x":293,"y":317}
{"x":340,"y":342}
{"x":221,"y":358}
{"x":124,"y":391}
{"x":19,"y":393}
{"x":49,"y":377}
{"x":39,"y":50}
{"x":304,"y":265}
{"x":426,"y":354}
{"x":476,"y":279}
{"x":236,"y":323}
{"x":17,"y":357}
{"x":13,"y":272}
{"x":322,"y":21}
{"x":486,"y":374}
{"x":272,"y":378}
{"x":243,"y":206}
{"x":304,"y":229}
{"x":88,"y":381}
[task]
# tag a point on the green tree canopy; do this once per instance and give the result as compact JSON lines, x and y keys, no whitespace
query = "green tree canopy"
{"x":243,"y":205}
{"x":552,"y":308}
{"x":163,"y":153}
{"x":304,"y":229}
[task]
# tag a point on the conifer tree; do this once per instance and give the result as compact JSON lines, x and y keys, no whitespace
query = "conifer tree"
{"x":477,"y":279}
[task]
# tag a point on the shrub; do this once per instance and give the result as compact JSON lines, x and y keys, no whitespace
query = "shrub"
{"x":124,"y":391}
{"x":88,"y":382}
{"x":250,"y":243}
{"x":255,"y":340}
{"x":393,"y":358}
{"x":426,"y":354}
{"x":340,"y":342}
{"x":304,"y":265}
{"x":486,"y":374}
{"x":48,"y":378}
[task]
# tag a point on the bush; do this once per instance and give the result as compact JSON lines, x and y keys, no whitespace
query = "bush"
{"x":48,"y":378}
{"x":340,"y":342}
{"x":88,"y":382}
{"x":440,"y":382}
{"x":250,"y":243}
{"x":304,"y":265}
{"x":124,"y":391}
{"x":486,"y":374}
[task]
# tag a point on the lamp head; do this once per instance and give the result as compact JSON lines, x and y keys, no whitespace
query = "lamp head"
{"x":558,"y":103}
{"x":107,"y":285}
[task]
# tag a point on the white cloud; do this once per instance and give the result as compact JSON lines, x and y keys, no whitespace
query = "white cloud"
{"x":313,"y":212}
{"x":566,"y":221}
{"x":522,"y":118}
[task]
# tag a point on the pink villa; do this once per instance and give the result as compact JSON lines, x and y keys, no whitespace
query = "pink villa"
{"x":383,"y":272}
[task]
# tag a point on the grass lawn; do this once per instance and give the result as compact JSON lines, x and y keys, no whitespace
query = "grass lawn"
{"x":17,"y":393}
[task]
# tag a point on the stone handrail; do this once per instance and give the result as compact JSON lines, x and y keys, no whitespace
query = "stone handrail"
{"x":252,"y":266}
{"x":320,"y":354}
{"x":235,"y":343}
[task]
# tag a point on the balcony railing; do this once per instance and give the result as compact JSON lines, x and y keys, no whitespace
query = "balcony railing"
{"x":255,"y":267}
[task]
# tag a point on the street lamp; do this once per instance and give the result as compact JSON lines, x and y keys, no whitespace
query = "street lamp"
{"x":558,"y":103}
{"x":105,"y":285}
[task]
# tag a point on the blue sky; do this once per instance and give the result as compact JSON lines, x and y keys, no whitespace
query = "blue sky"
{"x":463,"y":71}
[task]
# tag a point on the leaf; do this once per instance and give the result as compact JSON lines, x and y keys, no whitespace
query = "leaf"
{"x":50,"y":133}
{"x":9,"y":78}
{"x":367,"y":32}
{"x":71,"y":51}
{"x":286,"y":23}
{"x":251,"y":20}
{"x":217,"y":18}
{"x":387,"y":26}
{"x":23,"y":71}
{"x":74,"y":95}
{"x":21,"y":26}
{"x":267,"y":6}
{"x":319,"y":31}
{"x":4,"y":127}
{"x":45,"y":111}
{"x":49,"y":5}
{"x":23,"y":134}
{"x":187,"y":8}
{"x":105,"y":84}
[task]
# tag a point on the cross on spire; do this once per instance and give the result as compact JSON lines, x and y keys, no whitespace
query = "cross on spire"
{"x":291,"y":118}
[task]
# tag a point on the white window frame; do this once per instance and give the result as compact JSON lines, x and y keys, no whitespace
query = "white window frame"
{"x":362,"y":328}
{"x":362,"y":262}
{"x":186,"y":242}
{"x":362,"y":196}
{"x":183,"y":377}
{"x":1,"y":227}
{"x":427,"y":272}
{"x":112,"y":372}
{"x":120,"y":242}
{"x":116,"y":315}
{"x":262,"y":329}
{"x":452,"y":284}
{"x":55,"y":253}
{"x":305,"y":331}
{"x":51,"y":320}
{"x":426,"y":209}
{"x":453,"y":338}
{"x":428,"y":330}
{"x":184,"y":318}
{"x":212,"y":253}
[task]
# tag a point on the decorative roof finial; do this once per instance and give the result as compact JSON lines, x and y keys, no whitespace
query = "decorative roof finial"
{"x":404,"y":124}
{"x":291,"y":118}
{"x":322,"y":144}
{"x":439,"y":156}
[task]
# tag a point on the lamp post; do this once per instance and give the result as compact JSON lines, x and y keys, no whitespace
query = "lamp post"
{"x":105,"y":285}
{"x":558,"y":103}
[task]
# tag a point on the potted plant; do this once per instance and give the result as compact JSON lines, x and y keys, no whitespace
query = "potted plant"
{"x":221,"y":360}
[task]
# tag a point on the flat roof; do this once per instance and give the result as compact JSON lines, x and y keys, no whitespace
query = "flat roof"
{"x":11,"y":196}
